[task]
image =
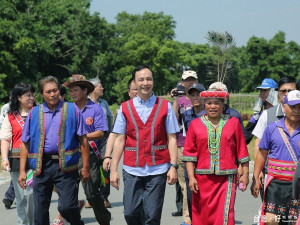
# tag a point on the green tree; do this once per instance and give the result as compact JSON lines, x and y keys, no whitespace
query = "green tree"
{"x":144,"y":39}
{"x":261,"y":58}
{"x":60,"y":38}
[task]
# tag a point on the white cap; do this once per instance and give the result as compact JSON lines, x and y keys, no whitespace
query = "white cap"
{"x":189,"y":73}
{"x":218,"y":86}
{"x":292,"y":98}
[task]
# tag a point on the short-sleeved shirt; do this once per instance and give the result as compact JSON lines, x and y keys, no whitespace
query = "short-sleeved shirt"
{"x":3,"y":113}
{"x":273,"y":142}
{"x":6,"y":130}
{"x":187,"y":118}
{"x":52,"y":121}
{"x":144,"y":109}
{"x":263,"y":121}
{"x":107,"y":113}
{"x":93,"y":118}
{"x":184,"y":104}
{"x":6,"y":134}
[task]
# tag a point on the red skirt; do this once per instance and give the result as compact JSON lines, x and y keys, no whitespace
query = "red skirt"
{"x":214,"y":202}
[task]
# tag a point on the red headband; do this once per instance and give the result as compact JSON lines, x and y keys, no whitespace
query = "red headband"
{"x":214,"y":94}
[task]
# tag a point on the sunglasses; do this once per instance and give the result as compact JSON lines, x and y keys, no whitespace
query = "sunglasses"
{"x":285,"y":91}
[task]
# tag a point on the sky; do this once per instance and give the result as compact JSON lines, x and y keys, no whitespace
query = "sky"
{"x":194,"y":18}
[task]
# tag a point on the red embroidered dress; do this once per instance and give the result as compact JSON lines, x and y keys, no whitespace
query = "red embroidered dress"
{"x":215,"y":171}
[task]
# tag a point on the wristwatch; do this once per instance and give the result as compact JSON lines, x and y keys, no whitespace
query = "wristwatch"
{"x":175,"y":165}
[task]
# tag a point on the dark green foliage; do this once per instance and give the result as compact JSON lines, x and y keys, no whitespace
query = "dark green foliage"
{"x":61,"y":38}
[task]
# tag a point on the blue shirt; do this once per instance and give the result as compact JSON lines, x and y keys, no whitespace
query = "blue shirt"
{"x":52,"y":121}
{"x":187,"y":117}
{"x":107,"y":113}
{"x":273,"y":142}
{"x":94,"y":119}
{"x":144,"y":109}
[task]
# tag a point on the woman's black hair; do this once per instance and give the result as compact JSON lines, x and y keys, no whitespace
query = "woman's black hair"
{"x":19,"y":90}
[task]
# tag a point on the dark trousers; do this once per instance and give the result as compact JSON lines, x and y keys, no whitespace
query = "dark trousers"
{"x":67,"y":189}
{"x":143,"y":198}
{"x":179,"y":196}
{"x":10,"y":193}
{"x":92,"y":191}
{"x":105,"y":190}
{"x":189,"y":193}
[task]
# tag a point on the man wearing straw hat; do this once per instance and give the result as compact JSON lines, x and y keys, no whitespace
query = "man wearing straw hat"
{"x":95,"y":125}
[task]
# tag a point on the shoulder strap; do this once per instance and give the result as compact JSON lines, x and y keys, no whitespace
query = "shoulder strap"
{"x":95,"y":149}
{"x":19,"y":119}
{"x":288,"y":145}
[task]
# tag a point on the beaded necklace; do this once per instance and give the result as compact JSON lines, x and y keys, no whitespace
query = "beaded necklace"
{"x":214,"y":143}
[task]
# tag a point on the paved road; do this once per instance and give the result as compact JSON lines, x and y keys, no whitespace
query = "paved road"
{"x":245,"y":207}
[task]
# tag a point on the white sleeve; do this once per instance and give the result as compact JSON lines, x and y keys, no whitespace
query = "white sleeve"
{"x":6,"y":130}
{"x":261,"y":125}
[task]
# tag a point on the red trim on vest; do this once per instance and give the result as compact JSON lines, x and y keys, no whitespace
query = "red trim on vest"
{"x":151,"y":146}
{"x":16,"y":131}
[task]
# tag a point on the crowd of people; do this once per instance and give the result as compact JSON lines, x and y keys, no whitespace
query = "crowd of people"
{"x":197,"y":142}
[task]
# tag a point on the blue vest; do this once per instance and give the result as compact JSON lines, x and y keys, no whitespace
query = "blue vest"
{"x":68,"y":147}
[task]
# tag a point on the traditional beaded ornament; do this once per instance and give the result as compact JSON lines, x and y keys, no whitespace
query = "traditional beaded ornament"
{"x":214,"y":145}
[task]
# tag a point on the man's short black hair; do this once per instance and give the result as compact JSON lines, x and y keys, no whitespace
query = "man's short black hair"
{"x":138,"y":68}
{"x":62,"y":90}
{"x":288,"y":80}
{"x":129,"y":83}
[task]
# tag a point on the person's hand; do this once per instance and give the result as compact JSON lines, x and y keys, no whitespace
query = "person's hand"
{"x":240,"y":171}
{"x":22,"y":179}
{"x":172,"y":94}
{"x":193,"y":185}
{"x":115,"y":180}
{"x":261,"y":178}
{"x":244,"y":180}
{"x":106,"y":164}
{"x":85,"y":175}
{"x":172,"y":176}
{"x":5,"y":165}
{"x":255,"y":187}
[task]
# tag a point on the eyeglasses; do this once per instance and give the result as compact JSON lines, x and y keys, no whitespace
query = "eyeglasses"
{"x":285,"y":91}
{"x":29,"y":95}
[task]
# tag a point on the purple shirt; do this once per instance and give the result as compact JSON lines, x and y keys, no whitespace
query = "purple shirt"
{"x":183,"y":105}
{"x":273,"y":142}
{"x":52,"y":122}
{"x":94,"y":119}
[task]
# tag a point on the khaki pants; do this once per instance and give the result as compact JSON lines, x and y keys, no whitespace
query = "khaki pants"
{"x":181,"y":180}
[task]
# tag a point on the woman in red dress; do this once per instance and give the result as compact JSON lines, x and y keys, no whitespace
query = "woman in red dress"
{"x":214,"y":147}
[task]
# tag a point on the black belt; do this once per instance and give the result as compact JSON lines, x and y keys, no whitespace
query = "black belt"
{"x":48,"y":156}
